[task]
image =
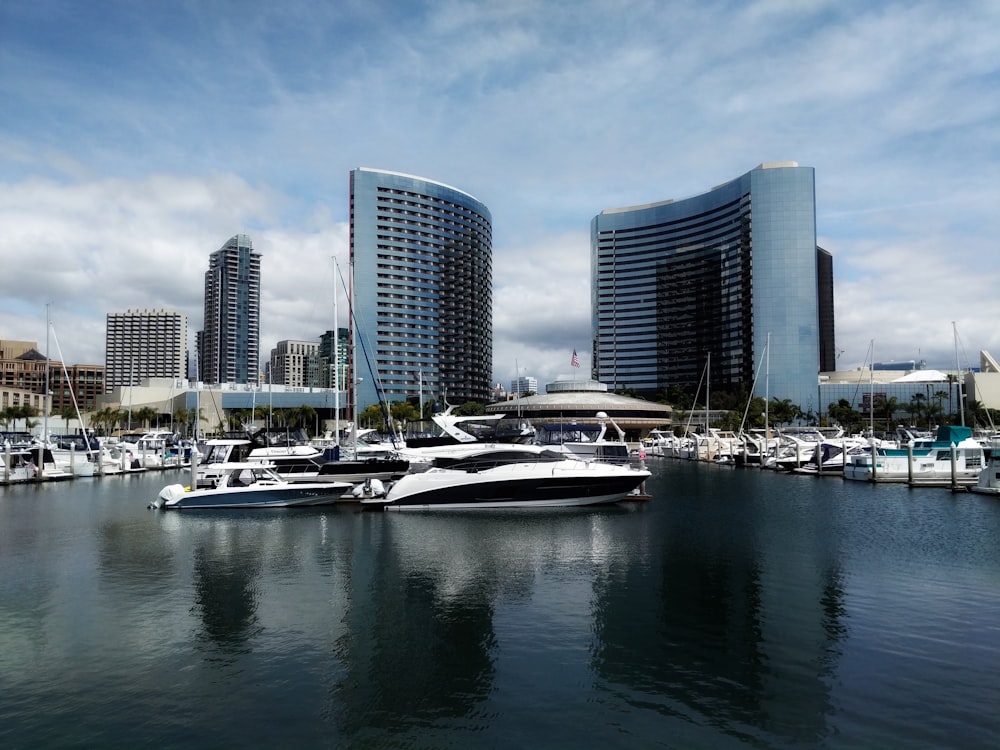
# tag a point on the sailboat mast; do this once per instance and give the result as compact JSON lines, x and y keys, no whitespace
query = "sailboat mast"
{"x":335,"y":356}
{"x":958,"y":375}
{"x":871,"y":389}
{"x":767,"y":387}
{"x":45,"y":401}
{"x":354,"y":354}
{"x":708,"y":387}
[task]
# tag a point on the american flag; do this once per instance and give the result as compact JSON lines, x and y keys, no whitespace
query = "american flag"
{"x":576,"y":360}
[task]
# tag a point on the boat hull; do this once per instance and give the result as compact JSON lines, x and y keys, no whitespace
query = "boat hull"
{"x":177,"y":497}
{"x":540,"y":486}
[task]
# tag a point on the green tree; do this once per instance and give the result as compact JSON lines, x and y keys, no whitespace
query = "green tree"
{"x":403,"y":412}
{"x":470,"y":409}
{"x":66,"y":413}
{"x":237,"y":418}
{"x":887,"y":409}
{"x":975,"y":413}
{"x":372,"y":417}
{"x":941,"y":396}
{"x":783,"y":411}
{"x":145,"y":415}
{"x":678,"y":397}
{"x":755,"y":412}
{"x":307,"y":417}
{"x":846,"y":416}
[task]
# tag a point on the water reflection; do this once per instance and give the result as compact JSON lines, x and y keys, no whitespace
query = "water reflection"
{"x":749,"y":611}
{"x":736,"y":607}
{"x":226,"y":600}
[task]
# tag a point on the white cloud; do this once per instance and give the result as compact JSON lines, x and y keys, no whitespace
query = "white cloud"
{"x":142,"y":141}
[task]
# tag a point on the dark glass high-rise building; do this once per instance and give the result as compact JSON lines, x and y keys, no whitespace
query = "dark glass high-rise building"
{"x":229,"y":344}
{"x":422,"y":263}
{"x":719,"y":277}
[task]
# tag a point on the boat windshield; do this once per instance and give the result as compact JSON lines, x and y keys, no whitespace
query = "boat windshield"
{"x":496,"y":458}
{"x":557,"y":434}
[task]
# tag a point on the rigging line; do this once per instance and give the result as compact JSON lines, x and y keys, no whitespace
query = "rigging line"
{"x":868,"y":354}
{"x":753,"y":386}
{"x":687,"y":427}
{"x":72,"y":394}
{"x":379,"y":391}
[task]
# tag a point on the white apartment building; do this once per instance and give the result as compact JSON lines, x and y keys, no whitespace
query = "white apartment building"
{"x":141,"y":344}
{"x":521,"y":385}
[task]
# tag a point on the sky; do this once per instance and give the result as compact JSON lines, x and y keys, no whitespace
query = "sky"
{"x":137,"y":137}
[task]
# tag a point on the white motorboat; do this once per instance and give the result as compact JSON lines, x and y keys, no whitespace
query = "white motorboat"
{"x":501,"y":477}
{"x":297,"y":462}
{"x":953,"y":457}
{"x":660,"y":443}
{"x":250,"y":485}
{"x":32,"y":463}
{"x":831,"y":455}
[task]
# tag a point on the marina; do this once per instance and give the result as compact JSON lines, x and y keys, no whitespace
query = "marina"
{"x":736,"y":607}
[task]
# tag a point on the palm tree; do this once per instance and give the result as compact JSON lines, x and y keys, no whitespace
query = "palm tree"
{"x":66,"y":413}
{"x":145,"y":415}
{"x":887,"y":409}
{"x":783,"y":411}
{"x":237,"y":418}
{"x":307,"y":415}
{"x":952,"y":379}
{"x":940,"y":396}
{"x":916,"y":406}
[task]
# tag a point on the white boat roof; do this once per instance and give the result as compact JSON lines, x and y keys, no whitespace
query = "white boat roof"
{"x":922,"y":376}
{"x":238,"y":466}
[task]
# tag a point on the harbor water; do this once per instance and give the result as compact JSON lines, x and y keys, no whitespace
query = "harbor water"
{"x":736,"y":608}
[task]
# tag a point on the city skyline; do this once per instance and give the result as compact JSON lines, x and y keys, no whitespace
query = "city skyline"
{"x":137,"y":138}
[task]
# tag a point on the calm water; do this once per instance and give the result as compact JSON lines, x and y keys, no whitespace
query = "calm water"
{"x":737,"y":608}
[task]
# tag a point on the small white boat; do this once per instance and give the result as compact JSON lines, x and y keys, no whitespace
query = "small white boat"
{"x":296,"y":463}
{"x":988,"y":481}
{"x":490,"y":479}
{"x":30,"y":464}
{"x":250,"y":485}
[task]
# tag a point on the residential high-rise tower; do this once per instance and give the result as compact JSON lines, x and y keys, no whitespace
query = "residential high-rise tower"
{"x":229,"y":344}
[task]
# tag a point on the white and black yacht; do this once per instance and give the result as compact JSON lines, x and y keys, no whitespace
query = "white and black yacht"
{"x":508,"y":477}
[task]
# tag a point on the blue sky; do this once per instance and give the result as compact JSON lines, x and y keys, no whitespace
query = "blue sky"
{"x":137,"y":137}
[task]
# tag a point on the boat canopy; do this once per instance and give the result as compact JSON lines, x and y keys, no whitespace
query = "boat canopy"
{"x":954,"y":434}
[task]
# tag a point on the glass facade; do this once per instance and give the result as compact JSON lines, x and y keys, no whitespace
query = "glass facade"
{"x":707,"y":284}
{"x":422,"y":270}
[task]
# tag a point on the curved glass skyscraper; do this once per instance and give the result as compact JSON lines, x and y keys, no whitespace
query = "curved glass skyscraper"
{"x":422,"y":258}
{"x":714,"y":278}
